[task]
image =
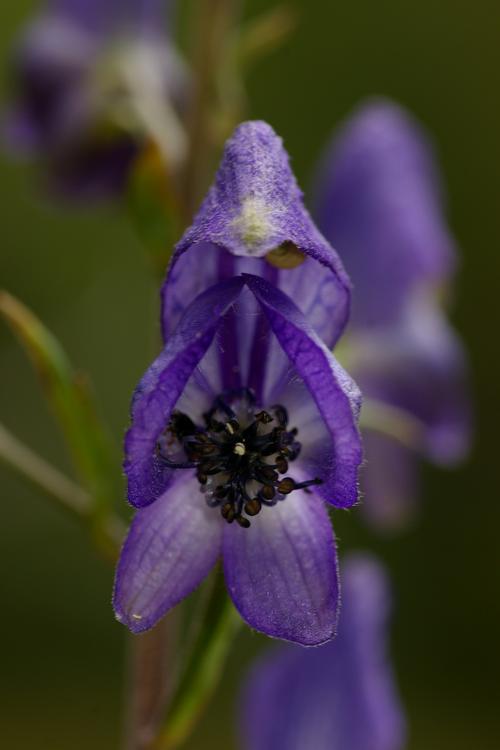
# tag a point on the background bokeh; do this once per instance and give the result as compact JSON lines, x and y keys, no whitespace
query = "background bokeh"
{"x":86,"y":275}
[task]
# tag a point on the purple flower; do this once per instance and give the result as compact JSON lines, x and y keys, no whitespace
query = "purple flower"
{"x":241,"y":429}
{"x":338,"y":697}
{"x":87,"y":71}
{"x":379,"y":201}
{"x":254,"y":220}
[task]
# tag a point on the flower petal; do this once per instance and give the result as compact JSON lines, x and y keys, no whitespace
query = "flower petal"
{"x":281,"y":572}
{"x":378,"y":201}
{"x":418,"y":366}
{"x":171,"y":546}
{"x":336,"y":396}
{"x":163,"y":384}
{"x":340,"y":696}
{"x":254,"y":208}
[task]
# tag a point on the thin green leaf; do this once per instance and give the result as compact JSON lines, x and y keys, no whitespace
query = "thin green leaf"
{"x":69,"y":396}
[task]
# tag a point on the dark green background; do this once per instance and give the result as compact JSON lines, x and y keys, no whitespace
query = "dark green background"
{"x":87,"y":277}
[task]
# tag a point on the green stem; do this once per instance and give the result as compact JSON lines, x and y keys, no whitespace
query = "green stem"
{"x":147,"y":684}
{"x":56,"y":486}
{"x":214,"y":22}
{"x":202,"y":668}
{"x":393,"y":422}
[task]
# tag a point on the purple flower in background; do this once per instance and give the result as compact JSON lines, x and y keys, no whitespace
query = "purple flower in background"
{"x":91,"y":76}
{"x":241,"y":429}
{"x":379,"y":201}
{"x":254,"y":220}
{"x":340,"y":696}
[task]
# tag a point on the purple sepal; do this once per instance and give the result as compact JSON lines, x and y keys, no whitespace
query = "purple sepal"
{"x":335,"y":394}
{"x":419,"y":367}
{"x":162,"y":385}
{"x":282,"y":576}
{"x":171,"y":547}
{"x":254,"y":207}
{"x":379,"y":202}
{"x":341,"y":696}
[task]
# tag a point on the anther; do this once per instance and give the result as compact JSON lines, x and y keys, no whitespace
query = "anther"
{"x":238,"y":464}
{"x":239,"y":449}
{"x":281,"y":464}
{"x":268,"y":473}
{"x":286,"y":486}
{"x":227,"y":512}
{"x":268,"y":491}
{"x":252,"y":507}
{"x":264,"y":417}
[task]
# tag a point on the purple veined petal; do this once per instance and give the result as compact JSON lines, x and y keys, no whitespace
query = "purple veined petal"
{"x":335,"y":394}
{"x":171,"y":547}
{"x":162,"y":385}
{"x":282,"y":572}
{"x":418,"y":365}
{"x":340,"y":696}
{"x":254,"y":207}
{"x":389,"y":482}
{"x":184,"y":281}
{"x":378,"y":200}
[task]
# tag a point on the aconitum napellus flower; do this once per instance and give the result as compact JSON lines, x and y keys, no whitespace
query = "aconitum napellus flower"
{"x":243,"y":430}
{"x":253,"y":219}
{"x":90,"y":76}
{"x":379,"y":201}
{"x":341,"y":696}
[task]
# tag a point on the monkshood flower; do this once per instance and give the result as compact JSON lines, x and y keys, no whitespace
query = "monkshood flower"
{"x":341,"y":696}
{"x":253,"y":219}
{"x":242,"y":429}
{"x":379,"y":201}
{"x":91,"y":76}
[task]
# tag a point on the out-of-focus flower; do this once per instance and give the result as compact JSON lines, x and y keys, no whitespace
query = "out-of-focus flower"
{"x":253,"y":219}
{"x":340,"y":696}
{"x":94,"y":79}
{"x":241,"y":429}
{"x":379,"y":201}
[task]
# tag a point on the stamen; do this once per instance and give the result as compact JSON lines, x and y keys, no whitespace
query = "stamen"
{"x":237,"y":450}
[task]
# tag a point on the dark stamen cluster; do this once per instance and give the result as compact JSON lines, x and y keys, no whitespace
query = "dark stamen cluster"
{"x":239,"y":458}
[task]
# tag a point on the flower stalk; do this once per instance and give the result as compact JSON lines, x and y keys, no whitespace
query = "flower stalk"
{"x":202,"y":668}
{"x":147,"y":684}
{"x":213,"y":23}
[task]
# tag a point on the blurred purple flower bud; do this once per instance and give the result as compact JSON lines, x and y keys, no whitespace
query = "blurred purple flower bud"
{"x":87,"y":73}
{"x":340,"y":696}
{"x":379,"y":201}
